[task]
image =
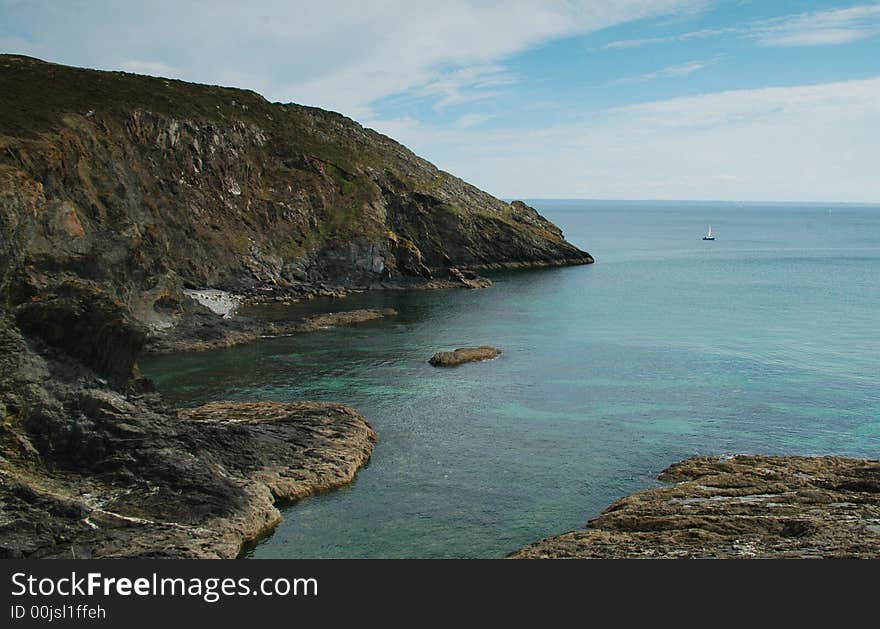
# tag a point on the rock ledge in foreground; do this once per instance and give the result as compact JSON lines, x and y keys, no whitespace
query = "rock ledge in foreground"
{"x":464,"y":355}
{"x":737,"y":507}
{"x":211,"y":487}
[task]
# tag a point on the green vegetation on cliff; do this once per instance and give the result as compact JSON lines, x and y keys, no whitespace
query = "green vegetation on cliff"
{"x":218,"y":186}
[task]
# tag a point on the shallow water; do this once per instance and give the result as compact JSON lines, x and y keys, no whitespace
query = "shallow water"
{"x":764,"y":340}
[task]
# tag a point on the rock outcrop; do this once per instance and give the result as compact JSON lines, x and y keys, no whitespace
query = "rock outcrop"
{"x":464,"y":355}
{"x":89,"y":470}
{"x":153,"y":185}
{"x":742,"y":507}
{"x":137,"y":212}
{"x":203,"y":331}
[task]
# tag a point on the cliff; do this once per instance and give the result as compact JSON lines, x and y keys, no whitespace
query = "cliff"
{"x":147,"y":184}
{"x":118,"y":193}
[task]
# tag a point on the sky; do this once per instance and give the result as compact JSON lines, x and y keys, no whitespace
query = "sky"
{"x":763,"y":100}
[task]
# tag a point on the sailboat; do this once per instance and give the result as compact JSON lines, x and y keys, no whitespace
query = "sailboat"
{"x":709,"y":235}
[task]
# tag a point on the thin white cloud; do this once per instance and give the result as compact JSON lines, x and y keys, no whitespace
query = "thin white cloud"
{"x":466,"y":121}
{"x":822,"y":37}
{"x":465,"y":85}
{"x":682,"y":37}
{"x":816,"y":28}
{"x":834,"y":26}
{"x":809,"y":142}
{"x":678,"y":70}
{"x":769,"y":104}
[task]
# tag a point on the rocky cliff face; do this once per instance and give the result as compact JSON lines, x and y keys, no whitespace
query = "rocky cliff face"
{"x":145,"y":185}
{"x":117,"y":192}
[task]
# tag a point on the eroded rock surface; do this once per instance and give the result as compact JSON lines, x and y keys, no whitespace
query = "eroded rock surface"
{"x":89,"y":471}
{"x":742,"y":507}
{"x":204,"y":331}
{"x":157,"y":185}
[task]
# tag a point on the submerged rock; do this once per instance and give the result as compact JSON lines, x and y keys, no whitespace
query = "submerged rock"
{"x":347,"y":317}
{"x":742,"y":507}
{"x":464,"y":355}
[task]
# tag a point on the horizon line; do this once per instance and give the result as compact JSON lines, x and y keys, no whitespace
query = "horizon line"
{"x":725,"y":201}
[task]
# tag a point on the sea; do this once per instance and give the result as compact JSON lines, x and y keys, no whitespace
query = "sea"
{"x":764,"y":340}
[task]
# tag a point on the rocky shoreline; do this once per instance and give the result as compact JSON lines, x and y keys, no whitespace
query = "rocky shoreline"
{"x":89,"y":470}
{"x":203,"y":331}
{"x":447,"y":278}
{"x":737,"y":507}
{"x":136,"y":214}
{"x":132,"y":208}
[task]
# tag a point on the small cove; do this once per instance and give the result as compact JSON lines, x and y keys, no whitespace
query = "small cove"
{"x":763,"y":341}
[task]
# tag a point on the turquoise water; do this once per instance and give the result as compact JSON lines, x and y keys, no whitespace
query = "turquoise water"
{"x":764,"y":340}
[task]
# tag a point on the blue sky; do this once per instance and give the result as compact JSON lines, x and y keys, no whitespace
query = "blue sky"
{"x":637,"y":99}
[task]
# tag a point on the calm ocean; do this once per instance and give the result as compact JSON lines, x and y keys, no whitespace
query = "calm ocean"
{"x":763,"y":341}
